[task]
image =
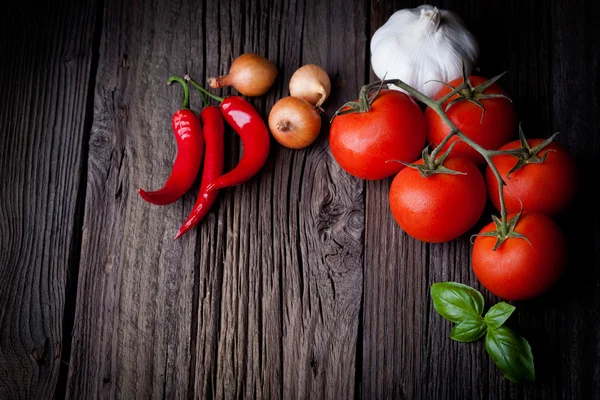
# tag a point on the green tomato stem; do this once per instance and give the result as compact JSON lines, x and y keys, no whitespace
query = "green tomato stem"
{"x":454,"y":91}
{"x":487,"y":155}
{"x":511,"y":152}
{"x":437,"y":150}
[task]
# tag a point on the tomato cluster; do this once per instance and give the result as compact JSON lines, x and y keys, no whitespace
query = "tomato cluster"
{"x":441,"y":195}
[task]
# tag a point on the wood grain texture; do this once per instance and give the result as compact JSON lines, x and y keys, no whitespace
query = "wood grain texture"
{"x":44,"y":72}
{"x":288,"y":286}
{"x":322,"y":303}
{"x":134,"y":309}
{"x":407,"y":352}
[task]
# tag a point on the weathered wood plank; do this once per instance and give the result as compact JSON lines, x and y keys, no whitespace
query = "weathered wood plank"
{"x":406,"y":349}
{"x":233,"y":261}
{"x":576,"y":114}
{"x":323,"y":299}
{"x":395,"y":275}
{"x":288,"y":285}
{"x":134,"y":309}
{"x":45,"y":58}
{"x":210,"y":234}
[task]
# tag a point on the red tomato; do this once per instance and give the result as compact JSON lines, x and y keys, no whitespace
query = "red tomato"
{"x":441,"y":207}
{"x":546,"y":188}
{"x":497,"y":127}
{"x":393,"y":129}
{"x":518,"y":270}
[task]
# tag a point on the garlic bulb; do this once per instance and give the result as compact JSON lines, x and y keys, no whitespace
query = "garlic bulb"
{"x":423,"y":44}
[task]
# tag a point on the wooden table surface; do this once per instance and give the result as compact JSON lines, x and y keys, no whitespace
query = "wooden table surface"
{"x":299,"y":284}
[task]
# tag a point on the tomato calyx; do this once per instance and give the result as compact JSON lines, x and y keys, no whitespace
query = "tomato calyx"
{"x":474,"y":94}
{"x":505,"y":230}
{"x":433,"y":165}
{"x":529,"y":156}
{"x":366,"y":97}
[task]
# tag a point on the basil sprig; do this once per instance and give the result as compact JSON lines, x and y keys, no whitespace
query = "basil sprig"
{"x":463,"y":305}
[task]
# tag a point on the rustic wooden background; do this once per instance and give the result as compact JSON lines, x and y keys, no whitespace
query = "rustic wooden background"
{"x":299,"y":284}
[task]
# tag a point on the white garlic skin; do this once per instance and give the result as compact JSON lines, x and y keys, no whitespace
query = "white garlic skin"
{"x":421,"y":44}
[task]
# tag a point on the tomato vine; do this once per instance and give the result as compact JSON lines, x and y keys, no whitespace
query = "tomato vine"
{"x":504,"y":226}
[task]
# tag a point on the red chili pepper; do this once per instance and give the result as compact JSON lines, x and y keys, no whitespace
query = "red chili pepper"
{"x":190,"y":146}
{"x":213,"y":166}
{"x":246,"y":121}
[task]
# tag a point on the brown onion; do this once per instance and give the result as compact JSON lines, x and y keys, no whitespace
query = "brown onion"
{"x":250,"y":74}
{"x":294,"y":122}
{"x":311,"y":83}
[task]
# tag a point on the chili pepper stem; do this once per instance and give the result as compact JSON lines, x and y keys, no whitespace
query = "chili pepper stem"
{"x":202,"y":90}
{"x":204,"y":98}
{"x":186,"y":90}
{"x":437,"y":106}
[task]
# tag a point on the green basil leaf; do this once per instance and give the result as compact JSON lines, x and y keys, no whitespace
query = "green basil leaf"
{"x":468,"y":330}
{"x":456,"y":302}
{"x":511,"y":353}
{"x":497,"y":315}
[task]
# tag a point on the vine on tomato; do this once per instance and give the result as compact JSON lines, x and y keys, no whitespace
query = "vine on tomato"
{"x":486,"y":116}
{"x":521,"y":268}
{"x":364,"y":137}
{"x":442,"y":206}
{"x":544,"y":182}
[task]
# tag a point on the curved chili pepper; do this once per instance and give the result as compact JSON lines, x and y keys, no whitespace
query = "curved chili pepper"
{"x":190,"y":146}
{"x":213,"y":166}
{"x":246,"y":121}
